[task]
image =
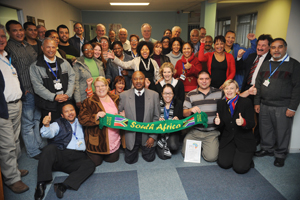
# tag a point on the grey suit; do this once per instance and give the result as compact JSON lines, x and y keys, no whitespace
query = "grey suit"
{"x":151,"y":113}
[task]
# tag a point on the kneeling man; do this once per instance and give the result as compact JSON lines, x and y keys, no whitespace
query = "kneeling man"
{"x":65,"y":152}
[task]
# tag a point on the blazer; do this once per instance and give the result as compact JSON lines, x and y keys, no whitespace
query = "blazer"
{"x":242,"y":135}
{"x":151,"y":114}
{"x":75,"y":42}
{"x":246,"y":65}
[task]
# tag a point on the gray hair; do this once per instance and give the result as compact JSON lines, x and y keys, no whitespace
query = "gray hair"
{"x":39,"y":26}
{"x":2,"y":27}
{"x":145,"y":24}
{"x":48,"y":39}
{"x":195,"y":30}
{"x":176,"y":27}
{"x":123,"y":29}
{"x":98,"y":25}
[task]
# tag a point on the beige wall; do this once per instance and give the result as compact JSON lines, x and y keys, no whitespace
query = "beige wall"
{"x":54,"y":12}
{"x":272,"y":17}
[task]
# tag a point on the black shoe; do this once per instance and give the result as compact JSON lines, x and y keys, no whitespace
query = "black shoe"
{"x":60,"y":189}
{"x":279,"y":162}
{"x":252,"y":164}
{"x":262,"y":153}
{"x":39,"y":191}
{"x":37,"y":157}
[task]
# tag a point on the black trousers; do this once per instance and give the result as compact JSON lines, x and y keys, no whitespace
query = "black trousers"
{"x":230,"y":156}
{"x":75,"y":163}
{"x":147,"y":153}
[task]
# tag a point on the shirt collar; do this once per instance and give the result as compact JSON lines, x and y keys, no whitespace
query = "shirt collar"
{"x":48,"y":60}
{"x":79,"y":37}
{"x":141,"y":91}
{"x":4,"y":54}
{"x":286,"y":60}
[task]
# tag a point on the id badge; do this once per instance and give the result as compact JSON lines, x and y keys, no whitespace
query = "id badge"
{"x":79,"y":143}
{"x":14,"y":73}
{"x":182,"y":77}
{"x":58,"y":86}
{"x":266,"y":83}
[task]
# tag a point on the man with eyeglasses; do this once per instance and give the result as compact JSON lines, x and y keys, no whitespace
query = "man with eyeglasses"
{"x":53,"y":80}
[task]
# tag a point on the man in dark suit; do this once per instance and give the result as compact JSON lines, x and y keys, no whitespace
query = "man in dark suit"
{"x":78,"y":40}
{"x":251,"y":65}
{"x":141,"y":105}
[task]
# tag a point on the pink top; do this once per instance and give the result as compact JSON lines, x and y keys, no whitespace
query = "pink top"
{"x":113,"y":134}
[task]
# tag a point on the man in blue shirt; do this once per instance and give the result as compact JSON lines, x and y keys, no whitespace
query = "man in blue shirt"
{"x":65,"y":152}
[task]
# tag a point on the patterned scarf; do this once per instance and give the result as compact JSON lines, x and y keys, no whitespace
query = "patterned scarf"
{"x":231,"y":103}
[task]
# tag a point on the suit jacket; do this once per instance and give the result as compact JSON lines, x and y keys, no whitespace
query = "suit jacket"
{"x":151,"y":113}
{"x":246,"y":66}
{"x":242,"y":135}
{"x":75,"y":42}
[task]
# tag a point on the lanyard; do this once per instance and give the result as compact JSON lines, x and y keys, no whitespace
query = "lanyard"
{"x":167,"y":111}
{"x":148,"y":66}
{"x":276,"y":67}
{"x":9,"y":64}
{"x":133,"y":54}
{"x":183,"y":66}
{"x":52,"y":70}
{"x":74,"y":133}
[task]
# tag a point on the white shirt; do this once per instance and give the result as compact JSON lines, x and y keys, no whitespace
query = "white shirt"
{"x":286,"y":60}
{"x":12,"y":90}
{"x":137,"y":92}
{"x":81,"y":43}
{"x":261,"y":60}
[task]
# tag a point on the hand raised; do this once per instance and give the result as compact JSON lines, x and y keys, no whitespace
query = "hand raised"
{"x":251,"y":36}
{"x":240,"y":121}
{"x":217,"y":120}
{"x":111,"y":55}
{"x":252,"y":90}
{"x":203,"y":40}
{"x":89,"y":82}
{"x":47,"y":120}
{"x":241,"y":53}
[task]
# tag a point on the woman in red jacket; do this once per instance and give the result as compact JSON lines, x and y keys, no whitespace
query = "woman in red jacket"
{"x":221,"y":65}
{"x":188,"y":67}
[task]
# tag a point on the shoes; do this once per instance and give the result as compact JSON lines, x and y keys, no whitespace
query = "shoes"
{"x":18,"y":187}
{"x":24,"y":172}
{"x":37,"y":157}
{"x":279,"y":162}
{"x":39,"y":191}
{"x":252,"y":164}
{"x":60,"y":189}
{"x":262,"y":153}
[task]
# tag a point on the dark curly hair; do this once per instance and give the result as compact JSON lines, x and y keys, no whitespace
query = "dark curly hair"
{"x":176,"y":39}
{"x":143,"y":43}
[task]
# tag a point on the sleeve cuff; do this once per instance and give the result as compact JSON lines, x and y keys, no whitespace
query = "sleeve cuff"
{"x":244,"y":124}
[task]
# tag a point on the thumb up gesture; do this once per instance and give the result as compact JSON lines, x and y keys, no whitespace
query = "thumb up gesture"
{"x":217,"y":120}
{"x":240,"y":120}
{"x":47,"y":120}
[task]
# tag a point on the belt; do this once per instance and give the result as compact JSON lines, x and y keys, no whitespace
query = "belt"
{"x":15,"y":101}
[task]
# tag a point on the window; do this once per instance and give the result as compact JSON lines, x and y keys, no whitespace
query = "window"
{"x":222,"y":25}
{"x":245,"y":24}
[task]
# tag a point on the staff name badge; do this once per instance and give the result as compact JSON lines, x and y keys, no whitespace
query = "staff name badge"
{"x":58,"y":86}
{"x":79,"y":143}
{"x":182,"y":77}
{"x":266,"y":83}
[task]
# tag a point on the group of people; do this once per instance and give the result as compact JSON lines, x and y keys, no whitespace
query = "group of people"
{"x":54,"y":90}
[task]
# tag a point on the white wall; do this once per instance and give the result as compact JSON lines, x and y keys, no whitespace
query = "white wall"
{"x":292,"y":40}
{"x":54,"y":12}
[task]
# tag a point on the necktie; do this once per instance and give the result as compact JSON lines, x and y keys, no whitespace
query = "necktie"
{"x":139,"y":93}
{"x":254,"y":65}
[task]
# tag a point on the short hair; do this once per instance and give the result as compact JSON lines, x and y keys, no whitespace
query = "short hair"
{"x":191,"y":45}
{"x":26,"y":24}
{"x":39,"y":26}
{"x":201,"y":28}
{"x":141,"y":44}
{"x":123,"y":29}
{"x":176,"y":27}
{"x":106,"y":38}
{"x":134,"y":35}
{"x":49,"y":32}
{"x":219,"y":37}
{"x":265,"y":37}
{"x":11,"y":22}
{"x":176,"y":39}
{"x":204,"y":72}
{"x":2,"y":28}
{"x":102,"y":26}
{"x":46,"y":39}
{"x":210,"y":37}
{"x":102,"y":79}
{"x":146,"y":24}
{"x":168,"y":30}
{"x":156,"y":43}
{"x":195,"y":30}
{"x":115,"y":43}
{"x":166,"y":65}
{"x":229,"y":31}
{"x":76,"y":24}
{"x":82,"y":47}
{"x":165,"y":37}
{"x":94,"y":44}
{"x":280,"y":39}
{"x":118,"y":79}
{"x":62,"y":105}
{"x":228,"y":82}
{"x":61,"y":26}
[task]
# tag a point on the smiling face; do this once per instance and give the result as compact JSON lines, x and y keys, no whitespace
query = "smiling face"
{"x":63,"y":34}
{"x":167,"y":94}
{"x":31,"y":32}
{"x":78,"y":29}
{"x":118,"y":50}
{"x":194,"y":37}
{"x":167,"y":74}
{"x":230,"y":38}
{"x":208,"y":43}
{"x":104,"y":44}
{"x":175,"y":47}
{"x":120,"y":86}
{"x":41,"y":32}
{"x":146,"y":32}
{"x":278,"y":50}
{"x":219,"y":46}
{"x":100,"y":31}
{"x":68,"y":112}
{"x":168,"y":34}
{"x":49,"y":49}
{"x":112,"y":35}
{"x":138,"y":80}
{"x":262,"y":47}
{"x":230,"y":91}
{"x":101,"y":89}
{"x":158,"y":49}
{"x":187,"y":51}
{"x":16,"y":32}
{"x":97,"y":51}
{"x":3,"y":41}
{"x":145,"y":52}
{"x":202,"y":33}
{"x":88,"y":51}
{"x":176,"y":32}
{"x":204,"y":81}
{"x":55,"y":37}
{"x":166,"y":43}
{"x":123,"y":36}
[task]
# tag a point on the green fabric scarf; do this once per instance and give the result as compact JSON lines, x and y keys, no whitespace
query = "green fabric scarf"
{"x":158,"y":127}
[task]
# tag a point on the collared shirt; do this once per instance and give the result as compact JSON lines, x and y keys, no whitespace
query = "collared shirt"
{"x":48,"y":60}
{"x":286,"y":60}
{"x":53,"y":130}
{"x":81,"y":43}
{"x":196,"y":47}
{"x":207,"y":103}
{"x":12,"y":90}
{"x":211,"y":50}
{"x":22,"y":56}
{"x":137,"y":92}
{"x":150,"y":40}
{"x":261,"y":60}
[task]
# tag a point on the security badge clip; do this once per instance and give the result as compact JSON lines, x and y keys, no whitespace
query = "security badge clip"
{"x":267,"y":82}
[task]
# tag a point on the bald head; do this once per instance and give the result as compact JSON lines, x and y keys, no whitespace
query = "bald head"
{"x":123,"y":35}
{"x":138,"y":80}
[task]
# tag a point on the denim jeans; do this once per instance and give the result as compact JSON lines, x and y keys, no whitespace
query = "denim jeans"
{"x":30,"y":129}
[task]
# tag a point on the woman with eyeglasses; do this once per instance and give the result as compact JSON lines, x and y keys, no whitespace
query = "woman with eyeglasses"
{"x":170,"y":109}
{"x":105,"y":46}
{"x":87,"y":66}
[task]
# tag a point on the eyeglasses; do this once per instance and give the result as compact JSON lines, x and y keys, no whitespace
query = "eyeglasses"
{"x":88,"y":49}
{"x":104,"y":42}
{"x":168,"y":94}
{"x":133,"y":40}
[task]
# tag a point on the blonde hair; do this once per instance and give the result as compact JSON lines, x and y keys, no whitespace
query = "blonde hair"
{"x":166,"y":65}
{"x":102,"y":79}
{"x":228,"y":82}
